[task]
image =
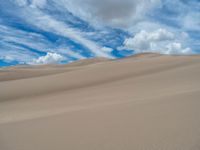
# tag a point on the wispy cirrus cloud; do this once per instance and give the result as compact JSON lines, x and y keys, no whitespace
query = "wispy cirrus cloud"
{"x":30,"y":39}
{"x":50,"y":24}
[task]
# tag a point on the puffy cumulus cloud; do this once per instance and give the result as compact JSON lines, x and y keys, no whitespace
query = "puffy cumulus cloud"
{"x":176,"y":48}
{"x":160,"y":35}
{"x":144,"y":40}
{"x":159,"y":41}
{"x":117,"y":13}
{"x":50,"y":58}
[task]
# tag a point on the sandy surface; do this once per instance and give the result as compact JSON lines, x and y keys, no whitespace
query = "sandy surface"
{"x":147,"y":102}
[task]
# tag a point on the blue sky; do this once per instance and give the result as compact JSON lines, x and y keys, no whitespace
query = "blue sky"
{"x":62,"y":31}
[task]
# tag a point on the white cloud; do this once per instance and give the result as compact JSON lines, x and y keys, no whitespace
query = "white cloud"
{"x":50,"y":58}
{"x":160,"y":35}
{"x":160,"y":41}
{"x":177,"y":48}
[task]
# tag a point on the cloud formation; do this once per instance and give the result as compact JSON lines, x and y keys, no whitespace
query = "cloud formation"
{"x":158,"y":41}
{"x":49,"y":58}
{"x":51,"y":24}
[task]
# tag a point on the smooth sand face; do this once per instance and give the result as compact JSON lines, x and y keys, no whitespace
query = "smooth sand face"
{"x":148,"y":102}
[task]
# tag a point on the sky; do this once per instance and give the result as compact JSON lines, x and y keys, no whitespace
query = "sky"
{"x":62,"y":31}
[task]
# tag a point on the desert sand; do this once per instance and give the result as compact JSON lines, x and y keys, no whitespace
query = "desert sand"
{"x":144,"y":102}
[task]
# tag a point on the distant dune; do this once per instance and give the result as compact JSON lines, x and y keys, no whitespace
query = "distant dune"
{"x":143,"y":102}
{"x":28,"y":71}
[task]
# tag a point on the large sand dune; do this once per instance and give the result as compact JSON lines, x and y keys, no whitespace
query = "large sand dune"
{"x":146,"y":102}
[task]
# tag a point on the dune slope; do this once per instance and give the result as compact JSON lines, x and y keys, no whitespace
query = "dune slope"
{"x":147,"y":102}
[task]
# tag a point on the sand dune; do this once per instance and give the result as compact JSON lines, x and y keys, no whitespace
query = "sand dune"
{"x":27,"y":71}
{"x":145,"y":102}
